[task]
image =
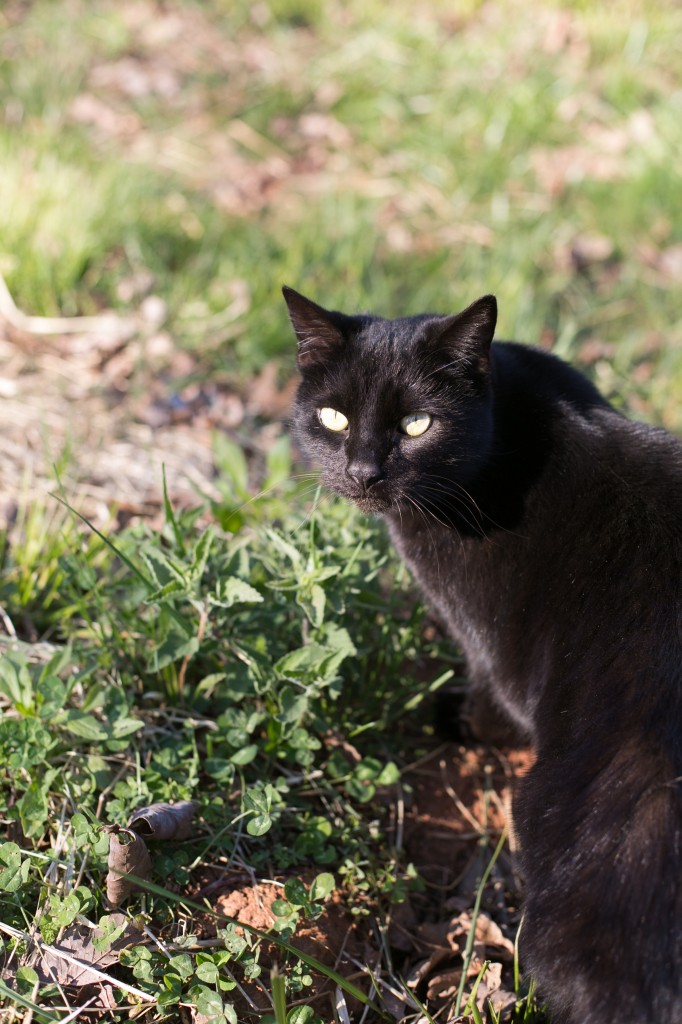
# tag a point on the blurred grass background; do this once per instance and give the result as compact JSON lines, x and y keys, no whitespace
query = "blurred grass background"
{"x":375,"y":156}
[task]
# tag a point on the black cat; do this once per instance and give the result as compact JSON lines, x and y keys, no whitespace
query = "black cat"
{"x":546,"y":529}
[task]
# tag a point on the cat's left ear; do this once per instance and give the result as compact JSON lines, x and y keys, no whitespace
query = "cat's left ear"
{"x":317,"y":334}
{"x":467,"y":336}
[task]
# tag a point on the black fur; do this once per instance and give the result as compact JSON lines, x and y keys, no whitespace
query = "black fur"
{"x":546,"y":529}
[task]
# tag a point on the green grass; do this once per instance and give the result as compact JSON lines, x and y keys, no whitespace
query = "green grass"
{"x":219,"y":664}
{"x":374,"y":157}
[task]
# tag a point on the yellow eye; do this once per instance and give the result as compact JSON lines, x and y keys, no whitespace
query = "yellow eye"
{"x":416,"y":424}
{"x":332,"y":419}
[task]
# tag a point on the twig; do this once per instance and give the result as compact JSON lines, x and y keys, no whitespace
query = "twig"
{"x":8,"y":624}
{"x":107,"y":323}
{"x":75,"y":1014}
{"x":463,"y":810}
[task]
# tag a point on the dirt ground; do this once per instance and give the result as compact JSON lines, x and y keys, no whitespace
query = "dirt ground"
{"x":108,"y":408}
{"x":455,"y":803}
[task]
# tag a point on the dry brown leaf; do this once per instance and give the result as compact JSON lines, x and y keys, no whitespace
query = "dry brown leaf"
{"x":423,"y":969}
{"x":450,"y":936}
{"x":164,"y":821}
{"x":490,"y":935}
{"x":128,"y":855}
{"x":78,"y":943}
{"x":444,"y":985}
{"x":490,"y":983}
{"x":503,"y":1000}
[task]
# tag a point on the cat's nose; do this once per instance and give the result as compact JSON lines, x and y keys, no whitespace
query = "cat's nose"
{"x":364,"y":472}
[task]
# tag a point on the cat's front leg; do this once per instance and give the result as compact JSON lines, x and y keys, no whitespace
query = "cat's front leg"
{"x":487,"y":720}
{"x":477,"y":715}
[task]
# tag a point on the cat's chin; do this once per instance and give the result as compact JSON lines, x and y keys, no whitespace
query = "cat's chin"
{"x":371,"y":504}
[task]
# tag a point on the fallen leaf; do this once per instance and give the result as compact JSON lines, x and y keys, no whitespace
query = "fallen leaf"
{"x":490,"y":983}
{"x":128,"y":855}
{"x":79,"y":944}
{"x":422,"y":970}
{"x":164,"y":821}
{"x":502,"y":1001}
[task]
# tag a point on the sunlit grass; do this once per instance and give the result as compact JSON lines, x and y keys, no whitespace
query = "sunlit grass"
{"x":431,"y":186}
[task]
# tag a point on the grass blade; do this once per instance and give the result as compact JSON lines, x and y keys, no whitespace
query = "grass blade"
{"x":41,"y":1014}
{"x":279,"y":1001}
{"x":468,"y":951}
{"x":170,"y":516}
{"x":149,"y":584}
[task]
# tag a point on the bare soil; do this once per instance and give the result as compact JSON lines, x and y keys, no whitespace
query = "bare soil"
{"x":457,"y":802}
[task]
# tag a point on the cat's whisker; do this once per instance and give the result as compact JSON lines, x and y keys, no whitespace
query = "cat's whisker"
{"x":474,"y":523}
{"x":425,"y":511}
{"x":429,"y":507}
{"x":313,"y":477}
{"x":472,"y":504}
{"x":484,"y":516}
{"x":320,"y":496}
{"x":424,"y":517}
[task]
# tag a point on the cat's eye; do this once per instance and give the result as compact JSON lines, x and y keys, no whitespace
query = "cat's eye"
{"x":332,"y":419}
{"x":416,"y":424}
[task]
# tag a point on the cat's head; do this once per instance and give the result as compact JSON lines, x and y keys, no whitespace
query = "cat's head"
{"x":396,"y":412}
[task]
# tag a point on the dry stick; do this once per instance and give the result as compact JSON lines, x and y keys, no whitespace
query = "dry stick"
{"x":15,"y":933}
{"x":463,"y":810}
{"x":29,"y":1017}
{"x":75,"y":1014}
{"x":45,"y":325}
{"x":7,"y":623}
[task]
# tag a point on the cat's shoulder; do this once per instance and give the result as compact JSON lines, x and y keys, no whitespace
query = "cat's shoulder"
{"x":543,"y":377}
{"x":554,"y":396}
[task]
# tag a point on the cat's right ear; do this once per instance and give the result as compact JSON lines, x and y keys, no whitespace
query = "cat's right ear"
{"x":465,"y":338}
{"x":317,"y":334}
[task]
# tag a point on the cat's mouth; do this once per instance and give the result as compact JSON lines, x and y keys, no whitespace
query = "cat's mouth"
{"x":369,"y":502}
{"x":375,"y":500}
{"x":372,"y":505}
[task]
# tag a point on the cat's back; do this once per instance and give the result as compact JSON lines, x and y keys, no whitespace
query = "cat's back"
{"x":596,"y":455}
{"x":629,"y":476}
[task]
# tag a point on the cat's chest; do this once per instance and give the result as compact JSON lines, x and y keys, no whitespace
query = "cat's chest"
{"x":461,"y":577}
{"x":481,"y":590}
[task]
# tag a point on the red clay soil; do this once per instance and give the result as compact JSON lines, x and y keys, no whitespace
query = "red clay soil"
{"x":457,"y":803}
